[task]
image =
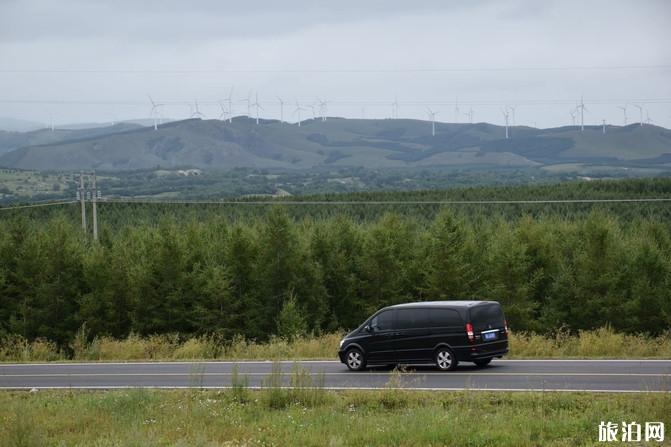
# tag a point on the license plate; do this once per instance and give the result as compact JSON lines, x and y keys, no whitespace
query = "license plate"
{"x":490,"y":336}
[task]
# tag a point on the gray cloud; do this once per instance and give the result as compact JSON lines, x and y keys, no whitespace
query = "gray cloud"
{"x":301,"y":49}
{"x":170,"y":20}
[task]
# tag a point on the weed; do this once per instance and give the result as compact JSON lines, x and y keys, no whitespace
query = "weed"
{"x":394,"y":396}
{"x":239,"y":386}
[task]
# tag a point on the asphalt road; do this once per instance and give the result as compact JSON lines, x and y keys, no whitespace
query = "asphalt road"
{"x":549,"y":375}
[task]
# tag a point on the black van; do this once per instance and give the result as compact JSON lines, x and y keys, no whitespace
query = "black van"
{"x":439,"y":332}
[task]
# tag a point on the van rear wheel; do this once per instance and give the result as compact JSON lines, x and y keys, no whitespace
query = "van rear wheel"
{"x":445,"y":359}
{"x":482,"y":362}
{"x":355,"y":360}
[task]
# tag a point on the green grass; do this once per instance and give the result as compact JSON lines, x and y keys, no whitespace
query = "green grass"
{"x":29,"y":184}
{"x":600,"y":343}
{"x":358,"y":418}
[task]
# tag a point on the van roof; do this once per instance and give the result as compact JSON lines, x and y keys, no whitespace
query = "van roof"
{"x":456,"y":303}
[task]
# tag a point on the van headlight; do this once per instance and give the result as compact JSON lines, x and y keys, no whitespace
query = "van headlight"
{"x":341,"y":342}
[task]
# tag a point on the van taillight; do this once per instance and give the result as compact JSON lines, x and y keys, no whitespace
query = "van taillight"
{"x":469,"y":332}
{"x":505,"y":323}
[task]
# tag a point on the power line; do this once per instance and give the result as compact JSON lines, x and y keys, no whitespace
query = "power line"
{"x":385,"y":103}
{"x":348,"y":202}
{"x":336,"y":70}
{"x":36,"y":205}
{"x":384,"y":202}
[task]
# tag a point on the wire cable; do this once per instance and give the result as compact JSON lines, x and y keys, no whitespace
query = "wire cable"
{"x":35,"y":205}
{"x":383,"y":202}
{"x":336,"y":70}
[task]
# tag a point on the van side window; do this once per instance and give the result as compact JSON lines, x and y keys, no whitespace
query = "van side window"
{"x":445,"y":318}
{"x":383,"y":320}
{"x":412,"y":318}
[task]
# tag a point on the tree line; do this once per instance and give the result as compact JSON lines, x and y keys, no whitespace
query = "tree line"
{"x":273,"y":273}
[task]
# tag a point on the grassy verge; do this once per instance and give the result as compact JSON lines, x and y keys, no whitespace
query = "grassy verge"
{"x":316,"y":417}
{"x":601,"y":343}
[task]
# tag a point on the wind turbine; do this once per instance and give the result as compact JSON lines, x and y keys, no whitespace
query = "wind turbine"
{"x":624,"y":110}
{"x":506,"y":115}
{"x":603,"y":127}
{"x":582,"y":109}
{"x":456,"y":110}
{"x":312,"y":107}
{"x":323,"y":107}
{"x":469,"y":114}
{"x":394,"y":108}
{"x":153,"y":113}
{"x":281,"y":109}
{"x":229,"y":99}
{"x":648,"y":121}
{"x":432,"y":116}
{"x":195,"y":111}
{"x":224,"y":113}
{"x":248,"y":100}
{"x":298,"y":111}
{"x":573,"y":113}
{"x":640,"y":110}
{"x":513,"y":110}
{"x":258,"y":106}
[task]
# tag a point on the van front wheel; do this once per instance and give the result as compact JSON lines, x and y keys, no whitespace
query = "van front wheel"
{"x":445,"y":359}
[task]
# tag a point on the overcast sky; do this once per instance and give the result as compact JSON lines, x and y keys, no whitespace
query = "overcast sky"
{"x":95,"y":60}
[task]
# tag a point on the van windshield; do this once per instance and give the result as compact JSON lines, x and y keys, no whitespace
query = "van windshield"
{"x":486,"y":315}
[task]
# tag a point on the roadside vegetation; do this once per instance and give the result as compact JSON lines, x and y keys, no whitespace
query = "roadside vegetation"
{"x":601,"y":343}
{"x":309,"y":415}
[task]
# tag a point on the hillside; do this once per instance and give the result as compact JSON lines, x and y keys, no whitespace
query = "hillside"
{"x":14,"y":140}
{"x":335,"y":142}
{"x":17,"y":125}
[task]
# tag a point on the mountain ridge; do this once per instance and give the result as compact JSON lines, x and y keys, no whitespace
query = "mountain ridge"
{"x":334,"y":142}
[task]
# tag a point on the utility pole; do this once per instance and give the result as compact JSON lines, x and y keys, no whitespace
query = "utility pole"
{"x":94,"y":195}
{"x":82,"y":199}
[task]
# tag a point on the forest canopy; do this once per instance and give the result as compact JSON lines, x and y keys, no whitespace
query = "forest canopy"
{"x":206,"y":271}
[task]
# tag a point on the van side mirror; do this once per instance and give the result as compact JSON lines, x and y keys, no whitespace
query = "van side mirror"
{"x":367,"y":328}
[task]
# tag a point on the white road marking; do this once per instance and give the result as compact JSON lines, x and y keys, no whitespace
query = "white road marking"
{"x":264,"y":362}
{"x":335,"y":388}
{"x":169,"y":362}
{"x":349,"y":374}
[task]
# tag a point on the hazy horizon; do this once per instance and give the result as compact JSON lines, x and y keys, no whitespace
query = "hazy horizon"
{"x":81,"y":61}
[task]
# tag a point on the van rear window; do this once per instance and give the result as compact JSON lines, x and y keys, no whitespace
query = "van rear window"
{"x":486,"y":315}
{"x":445,"y":318}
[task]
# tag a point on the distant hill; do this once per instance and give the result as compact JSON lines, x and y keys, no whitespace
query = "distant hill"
{"x":145,"y":122}
{"x":335,"y":142}
{"x":16,"y":125}
{"x":44,"y":136}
